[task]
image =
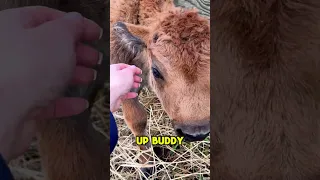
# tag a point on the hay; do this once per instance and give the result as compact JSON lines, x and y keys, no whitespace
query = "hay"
{"x":27,"y":166}
{"x":188,"y":161}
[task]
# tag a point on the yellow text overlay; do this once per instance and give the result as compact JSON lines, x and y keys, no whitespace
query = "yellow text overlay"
{"x":159,"y":140}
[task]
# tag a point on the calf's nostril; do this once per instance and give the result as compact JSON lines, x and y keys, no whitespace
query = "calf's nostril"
{"x":191,"y":138}
{"x":179,"y":132}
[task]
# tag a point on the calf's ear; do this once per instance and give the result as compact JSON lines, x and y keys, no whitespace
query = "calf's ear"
{"x":139,"y":31}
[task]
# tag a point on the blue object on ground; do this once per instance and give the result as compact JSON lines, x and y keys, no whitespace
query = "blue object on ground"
{"x":113,"y":133}
{"x":5,"y":173}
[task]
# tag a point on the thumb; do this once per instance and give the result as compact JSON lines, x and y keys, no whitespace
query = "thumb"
{"x":71,"y":24}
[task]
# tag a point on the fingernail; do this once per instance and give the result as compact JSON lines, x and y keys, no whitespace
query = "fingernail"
{"x":87,"y":104}
{"x":133,"y":66}
{"x":94,"y":74}
{"x":73,"y":15}
{"x":141,"y":80}
{"x":101,"y":33}
{"x":100,"y":58}
{"x":139,"y":85}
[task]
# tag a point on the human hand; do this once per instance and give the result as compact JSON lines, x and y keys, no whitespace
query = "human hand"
{"x":123,"y":77}
{"x":41,"y":53}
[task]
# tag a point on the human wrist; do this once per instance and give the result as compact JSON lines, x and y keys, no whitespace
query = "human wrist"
{"x":8,"y":133}
{"x":114,"y":96}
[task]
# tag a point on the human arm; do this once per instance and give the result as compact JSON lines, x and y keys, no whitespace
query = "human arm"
{"x":41,"y":52}
{"x":123,"y":78}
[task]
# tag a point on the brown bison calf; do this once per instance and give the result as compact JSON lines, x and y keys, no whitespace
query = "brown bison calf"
{"x":266,"y":87}
{"x":172,"y":47}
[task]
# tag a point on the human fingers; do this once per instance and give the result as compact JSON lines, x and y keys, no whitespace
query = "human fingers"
{"x":136,"y":85}
{"x":88,"y":56}
{"x":63,"y":107}
{"x":137,"y":79}
{"x":130,"y":95}
{"x":73,"y":24}
{"x":135,"y":69}
{"x":31,"y":16}
{"x":132,"y":70}
{"x":121,"y":66}
{"x":83,"y":75}
{"x":34,"y":16}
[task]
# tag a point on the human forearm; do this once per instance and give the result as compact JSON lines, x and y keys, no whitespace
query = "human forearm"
{"x":114,"y":96}
{"x":8,"y":133}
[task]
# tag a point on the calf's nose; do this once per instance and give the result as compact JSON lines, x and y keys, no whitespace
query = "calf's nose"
{"x":191,"y":137}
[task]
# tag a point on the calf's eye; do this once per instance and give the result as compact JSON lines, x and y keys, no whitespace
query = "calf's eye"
{"x":156,"y":73}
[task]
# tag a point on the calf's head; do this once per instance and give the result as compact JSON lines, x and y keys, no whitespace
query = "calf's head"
{"x":176,"y":53}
